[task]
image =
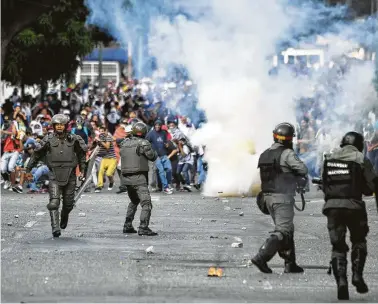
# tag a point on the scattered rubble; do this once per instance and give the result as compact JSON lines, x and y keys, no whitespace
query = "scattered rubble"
{"x":237,"y":245}
{"x":150,"y":250}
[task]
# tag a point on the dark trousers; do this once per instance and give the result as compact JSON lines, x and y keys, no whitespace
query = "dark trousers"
{"x":67,"y":192}
{"x":338,"y":222}
{"x":139,"y":194}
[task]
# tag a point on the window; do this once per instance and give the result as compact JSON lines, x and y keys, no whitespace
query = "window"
{"x":89,"y":70}
{"x":86,"y":68}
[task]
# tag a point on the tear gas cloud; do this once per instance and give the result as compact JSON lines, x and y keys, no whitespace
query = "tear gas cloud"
{"x":225,"y":46}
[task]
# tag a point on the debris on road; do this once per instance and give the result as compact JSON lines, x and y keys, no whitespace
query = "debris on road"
{"x":82,"y":214}
{"x":237,"y":245}
{"x":215,"y":272}
{"x":150,"y":250}
{"x":244,"y":228}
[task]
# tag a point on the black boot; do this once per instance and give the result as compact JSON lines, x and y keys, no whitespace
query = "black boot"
{"x":128,"y":226}
{"x":358,"y":263}
{"x":64,"y":218}
{"x":339,"y":267}
{"x":145,"y":216}
{"x":54,"y":215}
{"x":290,"y":258}
{"x":146,"y":231}
{"x":266,"y":253}
{"x":129,"y":229}
{"x":121,"y":191}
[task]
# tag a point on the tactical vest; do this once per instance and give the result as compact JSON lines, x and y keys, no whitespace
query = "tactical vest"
{"x":342,"y":179}
{"x":273,"y":180}
{"x":131,"y":162}
{"x":61,"y":153}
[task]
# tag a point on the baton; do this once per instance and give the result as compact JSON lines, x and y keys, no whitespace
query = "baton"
{"x":303,"y":203}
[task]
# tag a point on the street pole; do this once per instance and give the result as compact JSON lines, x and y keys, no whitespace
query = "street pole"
{"x":100,"y":50}
{"x":130,"y":60}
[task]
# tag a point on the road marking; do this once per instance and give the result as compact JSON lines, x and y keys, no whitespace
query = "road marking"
{"x":30,"y":224}
{"x":40,"y":213}
{"x":267,"y":285}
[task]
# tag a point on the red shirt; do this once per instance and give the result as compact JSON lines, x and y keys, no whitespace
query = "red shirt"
{"x":10,"y":145}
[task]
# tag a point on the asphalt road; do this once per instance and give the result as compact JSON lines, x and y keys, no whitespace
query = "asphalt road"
{"x":94,"y":262}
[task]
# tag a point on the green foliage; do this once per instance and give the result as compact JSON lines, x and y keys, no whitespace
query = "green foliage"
{"x":49,"y":48}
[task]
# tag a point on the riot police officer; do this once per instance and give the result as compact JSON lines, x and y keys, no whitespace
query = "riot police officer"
{"x":135,"y":154}
{"x":346,"y":176}
{"x":63,"y":152}
{"x":281,"y":172}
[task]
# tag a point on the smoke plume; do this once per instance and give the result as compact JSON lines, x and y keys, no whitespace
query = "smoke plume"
{"x":226,"y":47}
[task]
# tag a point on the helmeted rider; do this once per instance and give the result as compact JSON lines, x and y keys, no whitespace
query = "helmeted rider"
{"x":63,"y":152}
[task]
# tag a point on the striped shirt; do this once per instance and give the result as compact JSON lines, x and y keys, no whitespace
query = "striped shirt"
{"x":103,"y":152}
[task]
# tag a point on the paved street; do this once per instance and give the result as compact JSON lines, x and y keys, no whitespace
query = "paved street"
{"x":94,"y":262}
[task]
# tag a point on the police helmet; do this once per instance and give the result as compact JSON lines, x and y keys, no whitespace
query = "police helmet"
{"x":139,"y":129}
{"x":59,"y":119}
{"x":284,"y":132}
{"x":354,"y":139}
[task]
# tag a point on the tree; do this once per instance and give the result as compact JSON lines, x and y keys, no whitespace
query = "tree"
{"x":52,"y":45}
{"x":16,"y":15}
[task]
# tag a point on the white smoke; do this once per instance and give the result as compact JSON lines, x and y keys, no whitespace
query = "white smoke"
{"x":225,"y":51}
{"x":226,"y":56}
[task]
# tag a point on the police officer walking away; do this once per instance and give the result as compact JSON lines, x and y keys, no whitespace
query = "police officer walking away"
{"x":281,"y":173}
{"x":135,"y":153}
{"x":63,"y":152}
{"x":347,"y":175}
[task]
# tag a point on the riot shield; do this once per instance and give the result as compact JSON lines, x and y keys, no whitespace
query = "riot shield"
{"x":88,"y":172}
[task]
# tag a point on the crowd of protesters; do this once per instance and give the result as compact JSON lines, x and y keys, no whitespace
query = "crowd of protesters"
{"x":170,"y":111}
{"x":102,"y":116}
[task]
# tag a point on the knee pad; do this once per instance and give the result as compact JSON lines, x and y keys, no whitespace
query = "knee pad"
{"x":339,"y":246}
{"x":281,"y":236}
{"x":53,"y":204}
{"x":360,"y":246}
